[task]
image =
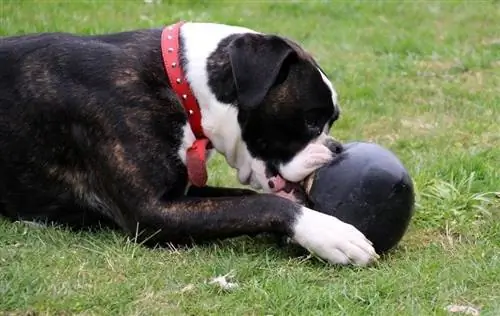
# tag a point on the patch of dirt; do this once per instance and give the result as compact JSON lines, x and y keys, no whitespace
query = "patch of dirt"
{"x":463,"y":309}
{"x":490,"y":41}
{"x":418,"y":124}
{"x":382,"y":130}
{"x":436,"y":65}
{"x":390,"y":130}
{"x":472,"y":80}
{"x":426,"y":123}
{"x":423,"y":238}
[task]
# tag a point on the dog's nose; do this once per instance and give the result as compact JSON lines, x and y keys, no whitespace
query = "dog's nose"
{"x":334,"y":145}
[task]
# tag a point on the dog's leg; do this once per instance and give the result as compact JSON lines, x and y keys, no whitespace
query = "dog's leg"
{"x":148,"y":206}
{"x":202,"y":219}
{"x":194,"y":219}
{"x":209,"y":191}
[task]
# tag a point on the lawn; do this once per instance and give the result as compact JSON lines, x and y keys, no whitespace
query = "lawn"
{"x":421,"y":78}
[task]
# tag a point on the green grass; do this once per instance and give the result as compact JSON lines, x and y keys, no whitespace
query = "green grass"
{"x":421,"y":78}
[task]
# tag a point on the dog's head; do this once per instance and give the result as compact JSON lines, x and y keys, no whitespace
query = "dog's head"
{"x":285,"y":107}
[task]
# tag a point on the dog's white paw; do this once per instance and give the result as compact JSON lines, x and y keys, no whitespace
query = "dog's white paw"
{"x":312,"y":157}
{"x":332,"y":239}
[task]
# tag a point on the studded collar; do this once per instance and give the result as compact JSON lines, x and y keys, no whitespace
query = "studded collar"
{"x":196,"y":154}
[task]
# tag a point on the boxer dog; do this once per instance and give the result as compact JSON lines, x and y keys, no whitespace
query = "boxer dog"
{"x":117,"y":128}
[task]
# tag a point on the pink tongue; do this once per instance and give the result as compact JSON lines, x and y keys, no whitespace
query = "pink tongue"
{"x":277,"y":183}
{"x":288,"y":190}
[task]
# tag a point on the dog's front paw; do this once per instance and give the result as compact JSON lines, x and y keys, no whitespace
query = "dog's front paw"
{"x":332,"y":239}
{"x":312,"y":157}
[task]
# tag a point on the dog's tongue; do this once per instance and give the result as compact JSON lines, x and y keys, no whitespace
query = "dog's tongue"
{"x":286,"y":189}
{"x":294,"y":192}
{"x":196,"y":162}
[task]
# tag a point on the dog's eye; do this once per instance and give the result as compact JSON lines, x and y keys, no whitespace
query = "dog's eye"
{"x":313,"y":120}
{"x":314,"y":129}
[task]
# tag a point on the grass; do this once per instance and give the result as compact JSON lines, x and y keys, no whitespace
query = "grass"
{"x":421,"y":78}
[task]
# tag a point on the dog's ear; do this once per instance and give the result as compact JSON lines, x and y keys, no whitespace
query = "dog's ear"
{"x":258,"y":62}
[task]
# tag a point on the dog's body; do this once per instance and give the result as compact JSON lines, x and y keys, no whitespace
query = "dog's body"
{"x":90,"y":130}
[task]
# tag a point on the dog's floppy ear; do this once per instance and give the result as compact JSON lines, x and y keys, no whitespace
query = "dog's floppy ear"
{"x":256,"y":62}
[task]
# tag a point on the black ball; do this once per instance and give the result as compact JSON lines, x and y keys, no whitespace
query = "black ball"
{"x":368,"y":187}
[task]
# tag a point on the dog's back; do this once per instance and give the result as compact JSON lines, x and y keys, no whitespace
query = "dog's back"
{"x":68,"y":104}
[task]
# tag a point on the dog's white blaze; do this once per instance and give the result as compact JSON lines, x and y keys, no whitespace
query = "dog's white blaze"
{"x":332,"y":239}
{"x":332,"y":89}
{"x":336,"y":105}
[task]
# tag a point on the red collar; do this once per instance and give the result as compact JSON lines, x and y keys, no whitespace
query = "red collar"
{"x":196,"y":154}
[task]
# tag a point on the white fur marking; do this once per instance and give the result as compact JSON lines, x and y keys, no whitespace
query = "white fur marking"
{"x":332,"y":239}
{"x":332,"y":89}
{"x":219,"y":120}
{"x":186,"y":142}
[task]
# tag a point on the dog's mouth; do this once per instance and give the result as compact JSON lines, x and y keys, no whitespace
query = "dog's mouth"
{"x":276,"y":184}
{"x":294,"y":191}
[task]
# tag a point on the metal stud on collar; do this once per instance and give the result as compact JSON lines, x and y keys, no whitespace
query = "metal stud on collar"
{"x":173,"y":66}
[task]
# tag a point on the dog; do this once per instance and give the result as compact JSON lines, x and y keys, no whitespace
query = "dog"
{"x":117,"y":129}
